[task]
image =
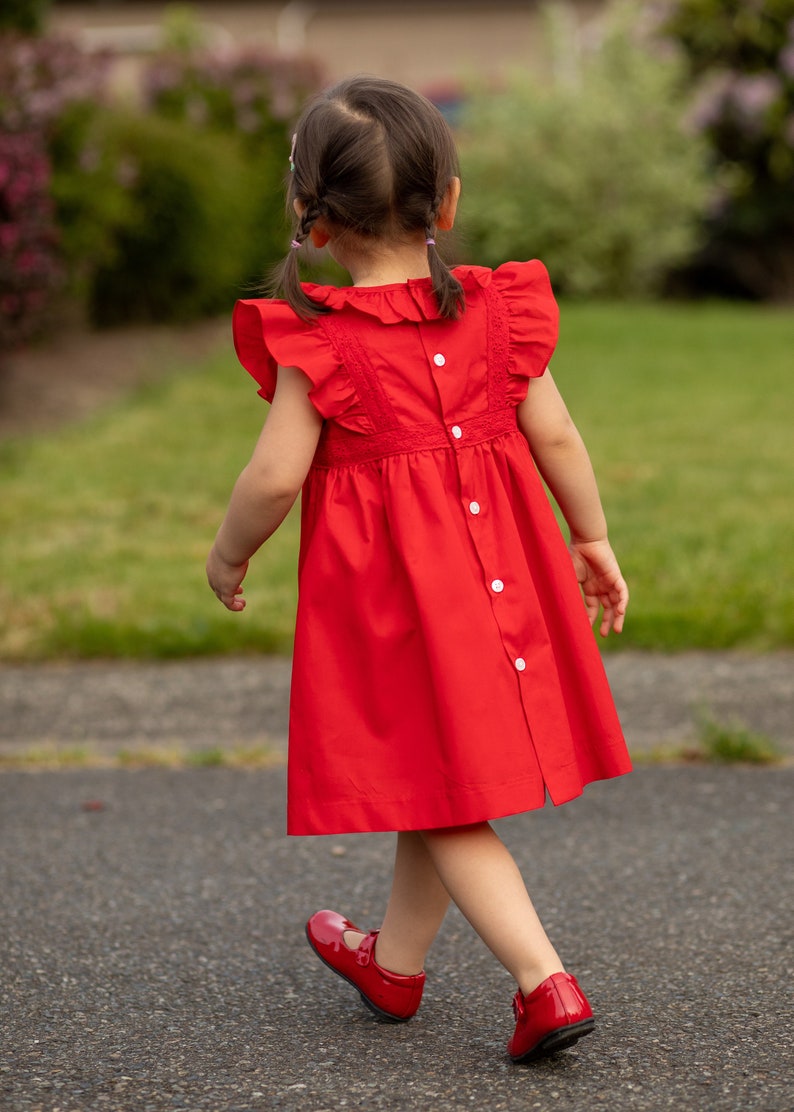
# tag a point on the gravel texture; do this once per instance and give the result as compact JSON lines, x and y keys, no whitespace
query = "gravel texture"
{"x":208,"y":702}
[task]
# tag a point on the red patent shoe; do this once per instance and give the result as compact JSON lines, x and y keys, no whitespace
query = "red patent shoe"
{"x":390,"y":995}
{"x":553,"y":1016}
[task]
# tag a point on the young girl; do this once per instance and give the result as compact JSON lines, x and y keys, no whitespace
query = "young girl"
{"x":444,"y":669}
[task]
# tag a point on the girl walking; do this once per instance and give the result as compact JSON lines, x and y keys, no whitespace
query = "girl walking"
{"x":444,"y":669}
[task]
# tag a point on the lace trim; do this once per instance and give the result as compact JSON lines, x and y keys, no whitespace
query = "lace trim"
{"x":498,"y":348}
{"x":353,"y":356}
{"x":339,"y":447}
{"x":342,"y":447}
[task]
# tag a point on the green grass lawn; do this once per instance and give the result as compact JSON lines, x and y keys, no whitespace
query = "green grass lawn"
{"x":687,"y":411}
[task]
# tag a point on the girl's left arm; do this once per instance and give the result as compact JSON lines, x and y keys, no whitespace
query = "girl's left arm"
{"x":267,"y":486}
{"x":562,"y":460}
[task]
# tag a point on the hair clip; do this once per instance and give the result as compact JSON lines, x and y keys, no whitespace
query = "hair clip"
{"x":292,"y":153}
{"x":294,"y":245}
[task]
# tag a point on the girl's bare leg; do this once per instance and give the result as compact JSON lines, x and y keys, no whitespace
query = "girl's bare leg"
{"x":479,"y":873}
{"x":473,"y":866}
{"x":416,"y":908}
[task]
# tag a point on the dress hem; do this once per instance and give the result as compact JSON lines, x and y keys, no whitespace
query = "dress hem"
{"x":510,"y":812}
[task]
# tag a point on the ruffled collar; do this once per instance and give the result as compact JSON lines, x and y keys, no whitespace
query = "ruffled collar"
{"x":412,"y":300}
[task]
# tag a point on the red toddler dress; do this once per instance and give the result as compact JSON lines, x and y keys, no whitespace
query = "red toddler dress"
{"x":444,"y":668}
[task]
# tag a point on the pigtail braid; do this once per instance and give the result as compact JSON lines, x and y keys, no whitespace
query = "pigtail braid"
{"x":286,"y":276}
{"x":448,"y":290}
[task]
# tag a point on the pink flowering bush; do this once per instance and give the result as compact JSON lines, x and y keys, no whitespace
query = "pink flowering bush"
{"x":30,"y":270}
{"x":252,"y":92}
{"x":49,"y":92}
{"x":741,"y":68}
{"x":41,"y":77}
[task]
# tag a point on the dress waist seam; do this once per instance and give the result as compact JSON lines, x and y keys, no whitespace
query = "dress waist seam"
{"x":339,"y":447}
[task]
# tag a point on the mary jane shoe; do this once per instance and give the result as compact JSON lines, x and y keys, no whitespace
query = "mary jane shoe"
{"x":389,"y":995}
{"x":551,"y":1017}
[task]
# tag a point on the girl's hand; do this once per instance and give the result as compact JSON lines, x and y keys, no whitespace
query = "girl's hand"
{"x":602,"y":584}
{"x":226,"y":580}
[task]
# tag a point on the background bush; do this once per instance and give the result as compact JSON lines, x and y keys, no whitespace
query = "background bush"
{"x":588,"y":168}
{"x":254,"y":95}
{"x":44,"y":84}
{"x":741,"y":65}
{"x":29,"y":267}
{"x":26,"y":16}
{"x":181,"y":245}
{"x":167,"y":212}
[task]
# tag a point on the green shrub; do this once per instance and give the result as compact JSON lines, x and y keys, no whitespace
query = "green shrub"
{"x":26,"y":16}
{"x":182,"y":247}
{"x":588,"y":168}
{"x":253,"y":94}
{"x":90,"y":189}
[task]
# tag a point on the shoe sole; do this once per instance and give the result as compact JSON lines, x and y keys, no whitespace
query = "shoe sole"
{"x":385,"y":1016}
{"x":560,"y":1039}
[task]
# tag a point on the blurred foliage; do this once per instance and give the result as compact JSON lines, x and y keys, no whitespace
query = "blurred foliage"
{"x":90,"y":187}
{"x":164,"y":214}
{"x":41,"y":78}
{"x":741,"y":64}
{"x":25,"y":16}
{"x":43,"y":83}
{"x":182,"y":30}
{"x":253,"y":94}
{"x":589,"y":169}
{"x":185,"y":232}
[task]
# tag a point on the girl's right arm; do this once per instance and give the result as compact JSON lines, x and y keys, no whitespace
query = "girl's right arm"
{"x":268,"y":485}
{"x":562,"y":460}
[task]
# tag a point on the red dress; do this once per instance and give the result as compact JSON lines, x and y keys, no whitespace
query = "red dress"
{"x":444,"y":669}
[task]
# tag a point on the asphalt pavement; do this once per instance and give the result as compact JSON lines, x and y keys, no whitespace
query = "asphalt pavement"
{"x":153,"y":955}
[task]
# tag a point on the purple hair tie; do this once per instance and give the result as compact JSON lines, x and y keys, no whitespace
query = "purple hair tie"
{"x":294,"y":245}
{"x":430,"y":241}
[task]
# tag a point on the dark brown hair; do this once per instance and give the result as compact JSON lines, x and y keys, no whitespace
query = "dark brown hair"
{"x":372,"y":158}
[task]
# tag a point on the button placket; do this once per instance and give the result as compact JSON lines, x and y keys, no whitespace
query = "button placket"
{"x":487,"y":545}
{"x":438,"y":359}
{"x":473,"y":508}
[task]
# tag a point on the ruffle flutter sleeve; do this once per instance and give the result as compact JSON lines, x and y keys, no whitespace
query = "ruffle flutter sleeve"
{"x":268,"y":334}
{"x":533,"y":322}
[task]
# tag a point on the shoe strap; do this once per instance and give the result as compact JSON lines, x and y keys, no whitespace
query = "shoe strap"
{"x":366,"y":949}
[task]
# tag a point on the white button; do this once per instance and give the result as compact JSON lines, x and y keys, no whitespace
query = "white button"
{"x":456,"y":431}
{"x":439,"y":360}
{"x":520,"y":664}
{"x":474,"y":507}
{"x":497,"y":586}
